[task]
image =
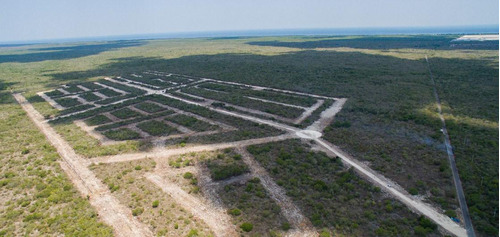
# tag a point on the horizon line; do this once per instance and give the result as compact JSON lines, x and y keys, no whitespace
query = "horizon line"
{"x":492,"y":29}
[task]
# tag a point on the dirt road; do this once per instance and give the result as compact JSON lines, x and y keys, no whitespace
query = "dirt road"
{"x":292,"y":213}
{"x":217,"y":219}
{"x":164,"y":153}
{"x":110,"y":210}
{"x":382,"y":182}
{"x":451,"y":158}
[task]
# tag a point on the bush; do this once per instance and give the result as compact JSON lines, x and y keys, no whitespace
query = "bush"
{"x":188,"y":175}
{"x":97,"y":120}
{"x":156,"y":128}
{"x":285,"y":226}
{"x":156,"y":203}
{"x":125,"y":113}
{"x":192,"y":233}
{"x":137,"y":211}
{"x":247,"y":227}
{"x":149,"y":107}
{"x":121,"y":134}
{"x":235,"y":212}
{"x":227,"y":171}
{"x":413,"y":191}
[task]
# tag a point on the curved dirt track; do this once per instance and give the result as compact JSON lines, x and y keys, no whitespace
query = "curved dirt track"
{"x":110,"y":210}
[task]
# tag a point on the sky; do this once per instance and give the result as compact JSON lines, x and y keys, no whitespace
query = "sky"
{"x":22,"y":20}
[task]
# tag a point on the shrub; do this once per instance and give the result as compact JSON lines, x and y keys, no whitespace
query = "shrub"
{"x":285,"y":226}
{"x":125,"y":113}
{"x":413,"y":191}
{"x":137,"y":211}
{"x":97,"y":120}
{"x":149,"y":107}
{"x":192,"y":233}
{"x":235,"y":212}
{"x":121,"y":134}
{"x":188,"y":175}
{"x":227,"y":171}
{"x":156,"y":203}
{"x":138,"y":167}
{"x":450,"y":213}
{"x":247,"y":227}
{"x":156,"y":128}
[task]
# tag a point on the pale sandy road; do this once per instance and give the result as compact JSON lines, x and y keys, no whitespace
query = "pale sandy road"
{"x":217,"y":219}
{"x":109,"y":209}
{"x":268,"y":88}
{"x":308,"y":112}
{"x":278,"y":103}
{"x":49,"y":100}
{"x":451,"y":158}
{"x":327,"y":116}
{"x":111,"y":88}
{"x":83,"y":88}
{"x":292,"y":213}
{"x":165,"y":153}
{"x":385,"y":184}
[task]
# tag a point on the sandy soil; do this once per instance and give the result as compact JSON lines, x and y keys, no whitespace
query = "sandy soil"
{"x":217,"y":219}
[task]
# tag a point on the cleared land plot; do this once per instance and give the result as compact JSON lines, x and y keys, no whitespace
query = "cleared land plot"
{"x":172,"y":79}
{"x":54,"y":94}
{"x":121,"y":134}
{"x":149,"y":107}
{"x":91,"y":86}
{"x":73,"y":89}
{"x":191,"y":123}
{"x":125,"y":88}
{"x":236,"y":99}
{"x":89,"y":96}
{"x":125,"y":113}
{"x":246,"y":129}
{"x":154,"y":81}
{"x":68,"y":102}
{"x":109,"y":93}
{"x":138,"y":119}
{"x":262,"y":94}
{"x":97,"y":120}
{"x":157,"y":128}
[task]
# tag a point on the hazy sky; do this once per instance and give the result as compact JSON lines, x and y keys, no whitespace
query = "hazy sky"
{"x":49,"y":19}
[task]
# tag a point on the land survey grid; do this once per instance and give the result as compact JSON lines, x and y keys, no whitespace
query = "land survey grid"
{"x":160,"y":107}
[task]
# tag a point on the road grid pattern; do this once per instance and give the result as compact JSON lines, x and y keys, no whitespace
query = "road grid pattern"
{"x":120,"y":218}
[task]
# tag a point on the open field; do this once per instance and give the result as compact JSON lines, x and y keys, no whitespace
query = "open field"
{"x":331,"y":135}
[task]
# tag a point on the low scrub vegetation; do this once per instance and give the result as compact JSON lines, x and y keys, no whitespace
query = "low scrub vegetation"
{"x":147,"y":202}
{"x":121,"y":134}
{"x":149,"y":107}
{"x":67,"y":102}
{"x":191,"y":123}
{"x":156,"y":128}
{"x":332,"y":196}
{"x":125,"y":113}
{"x":97,"y":120}
{"x":38,"y":199}
{"x":226,"y":165}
